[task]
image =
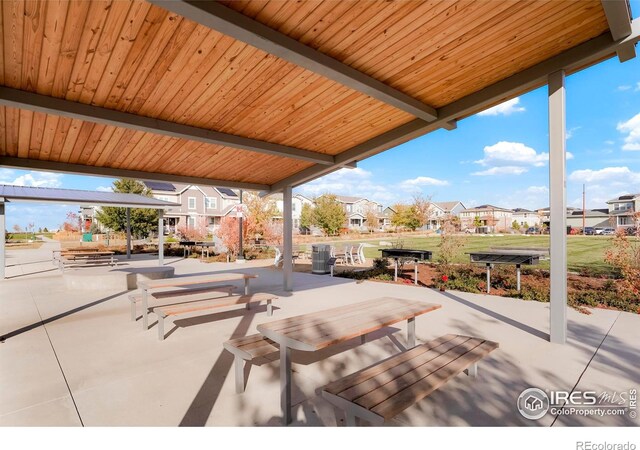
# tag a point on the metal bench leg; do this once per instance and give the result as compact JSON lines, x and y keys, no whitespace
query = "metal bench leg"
{"x":133,"y":311}
{"x":411,"y":332}
{"x":145,"y":310}
{"x":362,"y":338}
{"x":161,"y":328}
{"x":247,"y":305}
{"x":239,"y":368}
{"x":285,"y":383}
{"x":472,"y":371}
{"x":269,"y":308}
{"x":350,"y":419}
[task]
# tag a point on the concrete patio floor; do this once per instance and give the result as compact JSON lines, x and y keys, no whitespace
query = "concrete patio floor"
{"x":75,"y":358}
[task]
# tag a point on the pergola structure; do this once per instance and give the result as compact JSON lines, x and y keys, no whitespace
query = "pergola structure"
{"x":270,"y":94}
{"x":9,"y":193}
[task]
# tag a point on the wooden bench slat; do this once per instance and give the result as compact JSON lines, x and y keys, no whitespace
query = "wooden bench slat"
{"x":162,"y":295}
{"x":412,"y":371}
{"x":339,"y":387}
{"x":199,"y":279}
{"x":393,"y":406}
{"x":209,"y":303}
{"x":260,"y":346}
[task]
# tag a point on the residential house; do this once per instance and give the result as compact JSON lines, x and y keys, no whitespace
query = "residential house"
{"x":385,"y":218}
{"x":439,"y":211}
{"x":297,"y":202}
{"x":491,"y":219}
{"x":592,"y":218}
{"x":357,"y":209}
{"x":526,"y":217}
{"x":622,"y":210}
{"x":544,"y":214}
{"x":205,"y":205}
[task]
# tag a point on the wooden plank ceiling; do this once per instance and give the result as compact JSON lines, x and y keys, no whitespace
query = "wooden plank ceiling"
{"x":135,"y":57}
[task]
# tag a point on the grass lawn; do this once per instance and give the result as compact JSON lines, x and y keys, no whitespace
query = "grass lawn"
{"x":585,"y":253}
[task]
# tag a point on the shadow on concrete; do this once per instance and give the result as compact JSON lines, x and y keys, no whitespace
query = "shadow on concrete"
{"x":32,"y":273}
{"x":59,"y":316}
{"x":502,"y":318}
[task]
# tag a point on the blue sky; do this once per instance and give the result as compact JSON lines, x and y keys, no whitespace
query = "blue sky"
{"x":497,"y":157}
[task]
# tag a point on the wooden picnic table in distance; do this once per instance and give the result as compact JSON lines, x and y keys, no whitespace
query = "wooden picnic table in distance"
{"x":322,"y":329}
{"x":147,"y":285}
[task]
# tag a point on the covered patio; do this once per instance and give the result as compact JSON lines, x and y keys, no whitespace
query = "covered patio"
{"x":76,"y":358}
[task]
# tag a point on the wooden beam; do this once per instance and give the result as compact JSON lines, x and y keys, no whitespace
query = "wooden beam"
{"x":15,"y":98}
{"x":618,"y":15}
{"x":232,"y":23}
{"x":574,"y":59}
{"x":110,"y":172}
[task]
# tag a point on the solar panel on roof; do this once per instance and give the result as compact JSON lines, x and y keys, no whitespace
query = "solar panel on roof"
{"x":226,"y":191}
{"x":160,"y":186}
{"x":626,"y":197}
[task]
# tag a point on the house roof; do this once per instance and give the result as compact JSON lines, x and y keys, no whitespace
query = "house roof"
{"x":521,"y":210}
{"x":267,"y":94}
{"x":447,"y":206}
{"x":624,"y":197}
{"x":488,"y":208}
{"x":588,"y":213}
{"x":79,"y":197}
{"x":348,"y":199}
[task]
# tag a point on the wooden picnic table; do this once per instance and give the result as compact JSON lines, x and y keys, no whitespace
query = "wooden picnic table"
{"x":315,"y":331}
{"x":147,"y":285}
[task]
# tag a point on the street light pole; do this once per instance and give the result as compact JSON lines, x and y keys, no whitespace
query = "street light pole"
{"x":240,"y":258}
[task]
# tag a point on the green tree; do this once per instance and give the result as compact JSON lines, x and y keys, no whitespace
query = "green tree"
{"x":515,"y":225}
{"x":143,"y":220}
{"x":329,"y":214}
{"x":477,"y":222}
{"x":406,"y":216}
{"x":307,"y":216}
{"x":526,"y":225}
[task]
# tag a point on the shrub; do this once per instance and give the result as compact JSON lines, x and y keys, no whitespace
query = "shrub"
{"x":380,"y":263}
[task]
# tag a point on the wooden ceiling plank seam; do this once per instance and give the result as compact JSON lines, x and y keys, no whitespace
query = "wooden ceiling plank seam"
{"x":179,"y":155}
{"x":37,"y":134}
{"x":55,"y":20}
{"x":332,"y":23}
{"x":479,"y":47}
{"x":101,"y":145}
{"x":24,"y":133}
{"x":303,"y":19}
{"x":400,"y":56}
{"x":406,"y":72}
{"x":12,"y":126}
{"x":105,"y":155}
{"x":256,"y":34}
{"x":124,"y":152}
{"x":426,"y":17}
{"x":92,"y":142}
{"x":117,"y":146}
{"x":171,"y":88}
{"x":142,"y":46}
{"x":163,"y":49}
{"x":2,"y":47}
{"x":228,"y":158}
{"x":81,"y":142}
{"x":62,"y":129}
{"x":142,"y":157}
{"x":34,"y":20}
{"x":50,"y":126}
{"x":147,"y":144}
{"x":70,"y":140}
{"x":128,"y":36}
{"x":97,"y":16}
{"x":202,"y":77}
{"x":13,"y":17}
{"x":181,"y":42}
{"x":104,"y":171}
{"x":76,"y":17}
{"x":111,"y":34}
{"x":162,"y":154}
{"x":484,"y":76}
{"x":275,"y":13}
{"x":224,"y":84}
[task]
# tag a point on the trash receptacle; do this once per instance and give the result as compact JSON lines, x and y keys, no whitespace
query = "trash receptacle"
{"x":87,"y":237}
{"x":320,"y":254}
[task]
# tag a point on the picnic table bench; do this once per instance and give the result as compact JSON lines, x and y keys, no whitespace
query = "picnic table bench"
{"x":315,"y":331}
{"x":147,"y":287}
{"x":85,"y":258}
{"x":248,"y":348}
{"x":207,"y":302}
{"x":383,"y":390}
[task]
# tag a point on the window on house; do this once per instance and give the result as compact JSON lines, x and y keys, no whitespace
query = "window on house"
{"x":212,"y":202}
{"x":191,"y":202}
{"x":293,"y":206}
{"x":348,"y":208}
{"x":191,"y":222}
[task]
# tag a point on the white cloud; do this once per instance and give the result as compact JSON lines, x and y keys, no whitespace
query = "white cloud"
{"x":104,"y":189}
{"x":632,"y":127}
{"x":571,"y":131}
{"x":624,"y":87}
{"x":32,"y":178}
{"x":507,"y":108}
{"x":422,"y":181}
{"x":616,"y":175}
{"x":609,"y":142}
{"x":502,"y":170}
{"x":537,"y":190}
{"x":508,"y":153}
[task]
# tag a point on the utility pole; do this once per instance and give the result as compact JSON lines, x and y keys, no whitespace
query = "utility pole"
{"x":584,"y":213}
{"x":240,"y":258}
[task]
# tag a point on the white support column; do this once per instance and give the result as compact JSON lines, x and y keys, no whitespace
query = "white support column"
{"x":558,"y":208}
{"x":160,"y":237}
{"x":128,"y":233}
{"x":3,"y":227}
{"x":287,"y":231}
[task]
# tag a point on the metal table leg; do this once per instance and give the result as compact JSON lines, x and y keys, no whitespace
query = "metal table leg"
{"x":145,"y":309}
{"x":411,"y":332}
{"x":415,"y":272}
{"x":246,"y":291}
{"x":518,"y":277}
{"x":488,"y":278}
{"x":395,"y":275}
{"x":285,"y":383}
